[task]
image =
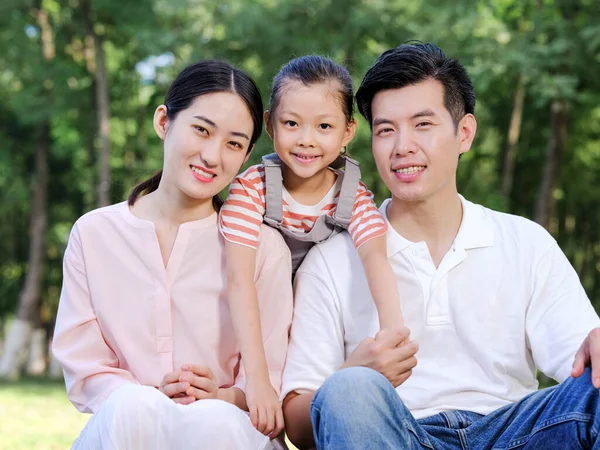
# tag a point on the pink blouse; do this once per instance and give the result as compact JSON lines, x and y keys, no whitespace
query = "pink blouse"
{"x":125,"y":318}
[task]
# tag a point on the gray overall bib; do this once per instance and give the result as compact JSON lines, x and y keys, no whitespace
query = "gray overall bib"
{"x":325,"y":226}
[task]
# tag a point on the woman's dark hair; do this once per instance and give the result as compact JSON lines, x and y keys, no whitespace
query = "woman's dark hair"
{"x":410,"y":64}
{"x":314,"y":69}
{"x":207,"y":77}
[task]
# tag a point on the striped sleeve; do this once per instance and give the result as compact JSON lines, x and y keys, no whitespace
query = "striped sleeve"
{"x":366,"y":222}
{"x":242,"y":213}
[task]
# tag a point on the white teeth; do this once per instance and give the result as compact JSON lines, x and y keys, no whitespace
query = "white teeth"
{"x":305,"y":156}
{"x":410,"y":170}
{"x":201,"y":172}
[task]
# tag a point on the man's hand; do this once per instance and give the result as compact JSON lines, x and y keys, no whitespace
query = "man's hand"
{"x":589,"y":355}
{"x":388,"y":354}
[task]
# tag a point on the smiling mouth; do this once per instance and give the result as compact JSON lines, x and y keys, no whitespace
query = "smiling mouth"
{"x":305,"y":158}
{"x":202,"y":173}
{"x":409,"y":170}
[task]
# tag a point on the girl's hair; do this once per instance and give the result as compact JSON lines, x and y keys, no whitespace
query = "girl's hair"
{"x":310,"y":70}
{"x":207,"y":77}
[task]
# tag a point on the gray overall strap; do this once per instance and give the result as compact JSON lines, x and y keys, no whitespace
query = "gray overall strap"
{"x":273,"y":188}
{"x":345,"y":203}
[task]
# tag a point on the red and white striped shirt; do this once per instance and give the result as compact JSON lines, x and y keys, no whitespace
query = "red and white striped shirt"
{"x":244,"y":210}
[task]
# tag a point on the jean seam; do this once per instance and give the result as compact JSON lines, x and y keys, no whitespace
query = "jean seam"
{"x":580,"y":417}
{"x":462,"y":436}
{"x":423,"y":441}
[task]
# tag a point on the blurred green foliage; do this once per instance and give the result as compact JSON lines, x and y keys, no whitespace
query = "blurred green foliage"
{"x":551,"y":47}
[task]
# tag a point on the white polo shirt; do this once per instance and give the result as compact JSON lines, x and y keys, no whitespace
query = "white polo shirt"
{"x":503,"y":301}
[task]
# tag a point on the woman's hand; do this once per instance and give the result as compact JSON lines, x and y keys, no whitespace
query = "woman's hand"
{"x":264,"y":406}
{"x":175,"y":389}
{"x":202,"y":381}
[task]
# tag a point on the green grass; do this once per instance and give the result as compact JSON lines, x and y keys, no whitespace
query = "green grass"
{"x":36,"y":415}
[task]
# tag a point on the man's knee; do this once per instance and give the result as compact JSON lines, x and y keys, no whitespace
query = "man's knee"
{"x":356,"y":389}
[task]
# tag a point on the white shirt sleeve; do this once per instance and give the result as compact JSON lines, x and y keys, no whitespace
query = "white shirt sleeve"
{"x":560,"y":315}
{"x":316,"y":348}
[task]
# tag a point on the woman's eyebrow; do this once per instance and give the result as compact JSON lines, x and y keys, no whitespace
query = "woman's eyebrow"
{"x":211,"y":123}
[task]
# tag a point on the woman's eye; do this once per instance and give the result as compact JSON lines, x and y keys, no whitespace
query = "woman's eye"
{"x":201,"y":129}
{"x":236,"y":145}
{"x":324,"y":126}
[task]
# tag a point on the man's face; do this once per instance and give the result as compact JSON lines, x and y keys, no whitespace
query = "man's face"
{"x":415,"y":144}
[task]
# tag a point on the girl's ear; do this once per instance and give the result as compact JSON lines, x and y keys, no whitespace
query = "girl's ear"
{"x":160,"y":121}
{"x":350,"y":132}
{"x":268,"y":124}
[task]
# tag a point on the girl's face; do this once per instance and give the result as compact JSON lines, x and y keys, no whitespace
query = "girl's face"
{"x":309,"y":128}
{"x":205,"y":145}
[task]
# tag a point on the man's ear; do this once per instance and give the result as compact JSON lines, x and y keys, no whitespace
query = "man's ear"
{"x":160,"y":121}
{"x":268,"y":123}
{"x":467,"y":127}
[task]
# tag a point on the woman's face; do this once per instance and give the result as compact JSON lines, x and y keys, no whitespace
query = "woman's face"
{"x":205,"y":145}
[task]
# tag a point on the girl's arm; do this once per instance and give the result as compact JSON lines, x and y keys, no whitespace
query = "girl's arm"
{"x":262,"y":401}
{"x":382,"y":282}
{"x":243,"y":305}
{"x":368,"y":229}
{"x":90,"y":366}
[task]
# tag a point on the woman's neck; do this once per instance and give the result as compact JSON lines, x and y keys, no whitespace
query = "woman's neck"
{"x":308,"y":191}
{"x":172,"y":206}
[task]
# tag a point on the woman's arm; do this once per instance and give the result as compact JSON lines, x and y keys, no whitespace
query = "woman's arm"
{"x":90,"y":366}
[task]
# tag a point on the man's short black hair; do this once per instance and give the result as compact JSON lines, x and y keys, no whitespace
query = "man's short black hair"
{"x":412,"y":63}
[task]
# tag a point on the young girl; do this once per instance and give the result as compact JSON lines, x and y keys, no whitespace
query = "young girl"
{"x":301,"y":191}
{"x":143,"y":330}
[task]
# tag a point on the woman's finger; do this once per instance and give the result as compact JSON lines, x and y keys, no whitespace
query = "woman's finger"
{"x":175,"y":388}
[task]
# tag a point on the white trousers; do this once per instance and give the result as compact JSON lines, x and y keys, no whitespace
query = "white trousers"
{"x":141,"y":417}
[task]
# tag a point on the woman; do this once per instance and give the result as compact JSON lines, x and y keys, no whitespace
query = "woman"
{"x":143,"y":330}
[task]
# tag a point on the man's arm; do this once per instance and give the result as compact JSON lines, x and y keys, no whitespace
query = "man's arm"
{"x":559,"y":318}
{"x":317,"y":346}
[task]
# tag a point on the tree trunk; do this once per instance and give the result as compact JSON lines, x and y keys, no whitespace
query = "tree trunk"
{"x":558,"y":125}
{"x":102,"y":105}
{"x":513,"y":138}
{"x":19,"y":333}
{"x":36,"y":360}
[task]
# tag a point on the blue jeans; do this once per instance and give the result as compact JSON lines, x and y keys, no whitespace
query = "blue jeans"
{"x":358,"y":408}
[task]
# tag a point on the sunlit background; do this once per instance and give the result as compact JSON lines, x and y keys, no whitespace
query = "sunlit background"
{"x":80,"y":79}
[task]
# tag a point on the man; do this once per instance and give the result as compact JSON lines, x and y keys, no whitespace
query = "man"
{"x":488,"y":298}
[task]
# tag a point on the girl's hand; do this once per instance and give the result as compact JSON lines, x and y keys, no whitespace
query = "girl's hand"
{"x":201,"y":381}
{"x":175,"y":389}
{"x":264,"y":406}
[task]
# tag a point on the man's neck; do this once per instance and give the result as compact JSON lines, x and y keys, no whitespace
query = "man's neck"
{"x":435,"y":221}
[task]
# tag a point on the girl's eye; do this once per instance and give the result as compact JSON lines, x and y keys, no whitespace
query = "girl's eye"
{"x":324,"y":126}
{"x":290,"y":123}
{"x":201,"y":129}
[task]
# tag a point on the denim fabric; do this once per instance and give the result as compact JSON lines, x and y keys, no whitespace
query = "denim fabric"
{"x":358,"y":408}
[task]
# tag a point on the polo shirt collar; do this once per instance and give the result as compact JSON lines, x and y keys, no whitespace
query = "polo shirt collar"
{"x":475,"y":229}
